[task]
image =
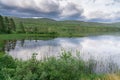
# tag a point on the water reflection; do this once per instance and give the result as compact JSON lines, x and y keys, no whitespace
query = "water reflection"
{"x":103,"y":50}
{"x":10,"y":45}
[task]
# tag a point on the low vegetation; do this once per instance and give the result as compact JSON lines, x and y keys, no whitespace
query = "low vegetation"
{"x":66,"y":67}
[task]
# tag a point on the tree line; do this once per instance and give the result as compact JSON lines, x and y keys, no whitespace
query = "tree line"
{"x":7,"y":25}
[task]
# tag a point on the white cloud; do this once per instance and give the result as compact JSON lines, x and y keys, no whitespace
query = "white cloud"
{"x":104,"y":9}
{"x":88,"y":9}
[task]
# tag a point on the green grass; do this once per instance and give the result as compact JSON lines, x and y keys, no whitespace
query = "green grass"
{"x":66,"y":67}
{"x":23,"y":36}
{"x":2,"y":54}
{"x":46,"y":36}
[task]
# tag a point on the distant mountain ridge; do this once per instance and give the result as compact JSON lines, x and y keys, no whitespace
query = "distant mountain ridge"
{"x":74,"y":22}
{"x":62,"y":28}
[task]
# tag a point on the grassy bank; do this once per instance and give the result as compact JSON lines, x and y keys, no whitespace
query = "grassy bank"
{"x":34,"y":36}
{"x":22,"y":36}
{"x":64,"y":68}
{"x":37,"y":36}
{"x":47,"y":35}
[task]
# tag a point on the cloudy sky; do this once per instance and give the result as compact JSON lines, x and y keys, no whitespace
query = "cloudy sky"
{"x":85,"y":10}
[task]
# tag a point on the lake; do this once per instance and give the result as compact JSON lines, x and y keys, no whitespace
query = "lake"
{"x":103,"y":50}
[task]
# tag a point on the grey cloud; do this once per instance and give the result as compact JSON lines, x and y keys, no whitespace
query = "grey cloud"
{"x":41,"y":8}
{"x":71,"y":11}
{"x":88,"y":10}
{"x":113,"y":3}
{"x":93,"y":1}
{"x":116,"y":0}
{"x":52,"y":10}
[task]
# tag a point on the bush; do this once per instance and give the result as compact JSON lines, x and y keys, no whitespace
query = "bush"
{"x":7,"y":67}
{"x":66,"y":67}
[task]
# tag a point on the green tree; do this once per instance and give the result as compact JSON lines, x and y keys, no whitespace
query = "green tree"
{"x":35,"y":30}
{"x":1,"y":24}
{"x":12,"y":24}
{"x":22,"y":27}
{"x":7,"y":25}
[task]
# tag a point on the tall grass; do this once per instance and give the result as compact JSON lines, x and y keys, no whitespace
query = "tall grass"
{"x":66,"y":67}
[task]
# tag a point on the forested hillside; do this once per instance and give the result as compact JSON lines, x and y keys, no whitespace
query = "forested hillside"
{"x":53,"y":27}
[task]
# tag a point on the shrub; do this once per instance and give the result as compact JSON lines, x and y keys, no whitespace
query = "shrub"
{"x":66,"y":67}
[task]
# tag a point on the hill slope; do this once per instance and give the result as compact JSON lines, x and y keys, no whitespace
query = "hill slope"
{"x":51,"y":22}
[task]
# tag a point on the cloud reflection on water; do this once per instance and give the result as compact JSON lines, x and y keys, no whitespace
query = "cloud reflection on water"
{"x":100,"y":48}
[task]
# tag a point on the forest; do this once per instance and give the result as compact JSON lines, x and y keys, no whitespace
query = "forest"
{"x":49,"y":27}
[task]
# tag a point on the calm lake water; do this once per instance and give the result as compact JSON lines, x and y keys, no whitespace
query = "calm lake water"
{"x":103,"y":50}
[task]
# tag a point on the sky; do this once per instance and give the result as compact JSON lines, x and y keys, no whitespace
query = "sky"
{"x":85,"y":10}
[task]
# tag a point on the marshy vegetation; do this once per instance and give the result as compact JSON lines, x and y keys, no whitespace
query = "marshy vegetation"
{"x":65,"y":67}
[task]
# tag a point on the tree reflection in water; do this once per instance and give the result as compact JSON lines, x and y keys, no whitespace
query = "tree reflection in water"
{"x":10,"y":45}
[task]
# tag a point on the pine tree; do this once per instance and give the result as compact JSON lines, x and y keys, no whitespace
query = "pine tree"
{"x":22,"y":27}
{"x":12,"y":24}
{"x":1,"y":24}
{"x":7,"y":25}
{"x":35,"y":30}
